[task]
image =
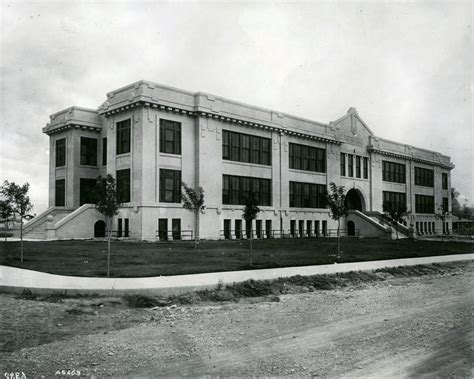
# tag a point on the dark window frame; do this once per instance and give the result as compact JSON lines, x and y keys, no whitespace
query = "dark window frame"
{"x":60,"y":145}
{"x":307,"y":158}
{"x":104,"y":151}
{"x":307,"y":195}
{"x":236,"y":188}
{"x":124,"y":134}
{"x":343,"y":164}
{"x":444,"y":180}
{"x":393,"y":172}
{"x":397,"y":200}
{"x":172,"y":193}
{"x":170,"y":137}
{"x":60,"y":193}
{"x":246,"y":148}
{"x":88,"y":151}
{"x":424,"y":177}
{"x":124,"y":185}
{"x":366,"y":168}
{"x":424,"y":204}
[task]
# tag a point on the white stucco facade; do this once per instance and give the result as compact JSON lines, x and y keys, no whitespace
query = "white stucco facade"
{"x":203,"y":118}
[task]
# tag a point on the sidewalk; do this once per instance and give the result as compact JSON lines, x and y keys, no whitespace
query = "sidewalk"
{"x":15,"y":279}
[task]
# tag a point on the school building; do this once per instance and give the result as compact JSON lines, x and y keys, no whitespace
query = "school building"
{"x":152,"y":138}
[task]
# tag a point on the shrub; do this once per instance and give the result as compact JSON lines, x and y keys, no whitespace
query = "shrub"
{"x":26,"y":294}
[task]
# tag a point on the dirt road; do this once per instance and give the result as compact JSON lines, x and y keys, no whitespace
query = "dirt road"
{"x":410,"y":327}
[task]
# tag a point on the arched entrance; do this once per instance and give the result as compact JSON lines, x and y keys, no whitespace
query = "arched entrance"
{"x":354,"y":200}
{"x":350,"y":228}
{"x":99,"y":229}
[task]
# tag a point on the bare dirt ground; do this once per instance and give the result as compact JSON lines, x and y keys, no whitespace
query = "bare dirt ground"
{"x":405,"y":327}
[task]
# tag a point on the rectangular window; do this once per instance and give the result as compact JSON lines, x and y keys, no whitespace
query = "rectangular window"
{"x":163,"y":229}
{"x":350,"y":165}
{"x":60,"y":193}
{"x":444,"y":177}
{"x":366,"y":168}
{"x":358,"y":174}
{"x":87,"y":191}
{"x":170,"y":186}
{"x":61,"y":152}
{"x":126,"y":228}
{"x":343,"y":164}
{"x":88,"y":151}
{"x":307,"y":158}
{"x":268,"y":228}
{"x":423,"y":177}
{"x":307,"y":195}
{"x":176,"y":228}
{"x":104,"y":151}
{"x":170,"y":137}
{"x":123,"y":136}
{"x":237,"y":188}
{"x":119,"y":228}
{"x":445,"y":204}
{"x":123,"y":185}
{"x":240,"y":147}
{"x":424,"y":204}
{"x":393,"y":172}
{"x":394,"y":201}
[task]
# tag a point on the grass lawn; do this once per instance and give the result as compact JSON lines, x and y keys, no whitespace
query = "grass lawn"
{"x":140,"y":259}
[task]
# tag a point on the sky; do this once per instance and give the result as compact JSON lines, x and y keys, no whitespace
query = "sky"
{"x":405,"y":66}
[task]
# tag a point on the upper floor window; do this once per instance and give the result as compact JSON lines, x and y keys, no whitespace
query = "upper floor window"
{"x":366,"y":168}
{"x":235,"y":189}
{"x":308,"y":158}
{"x":61,"y":152}
{"x":424,"y":177}
{"x":444,"y":177}
{"x":246,"y":148}
{"x":424,"y":204}
{"x":104,"y":151}
{"x":343,"y":164}
{"x":358,"y":168}
{"x":170,"y":186}
{"x":88,"y":151}
{"x":307,"y":195}
{"x":350,"y":165}
{"x":123,"y":136}
{"x":123,"y":185}
{"x":170,"y":137}
{"x":60,"y":193}
{"x":393,"y":172}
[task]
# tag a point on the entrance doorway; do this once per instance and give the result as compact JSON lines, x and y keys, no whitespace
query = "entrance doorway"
{"x":354,"y":200}
{"x":99,"y":229}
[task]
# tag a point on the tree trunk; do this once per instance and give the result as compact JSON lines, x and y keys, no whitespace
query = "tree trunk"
{"x":251,"y":248}
{"x":6,"y":229}
{"x":21,"y":238}
{"x":109,"y":232}
{"x":338,"y":241}
{"x":196,"y":230}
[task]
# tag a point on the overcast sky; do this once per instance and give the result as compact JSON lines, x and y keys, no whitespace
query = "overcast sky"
{"x":406,"y":67}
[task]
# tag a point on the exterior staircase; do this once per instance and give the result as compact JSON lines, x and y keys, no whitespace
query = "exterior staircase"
{"x":403,"y":231}
{"x":36,"y":227}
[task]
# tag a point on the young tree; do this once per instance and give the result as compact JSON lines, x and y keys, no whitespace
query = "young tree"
{"x":17,"y":197}
{"x":394,"y":214}
{"x":336,"y":201}
{"x":107,"y":204}
{"x":6,"y":212}
{"x":193,"y":200}
{"x":442,"y":215}
{"x":249,"y":214}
